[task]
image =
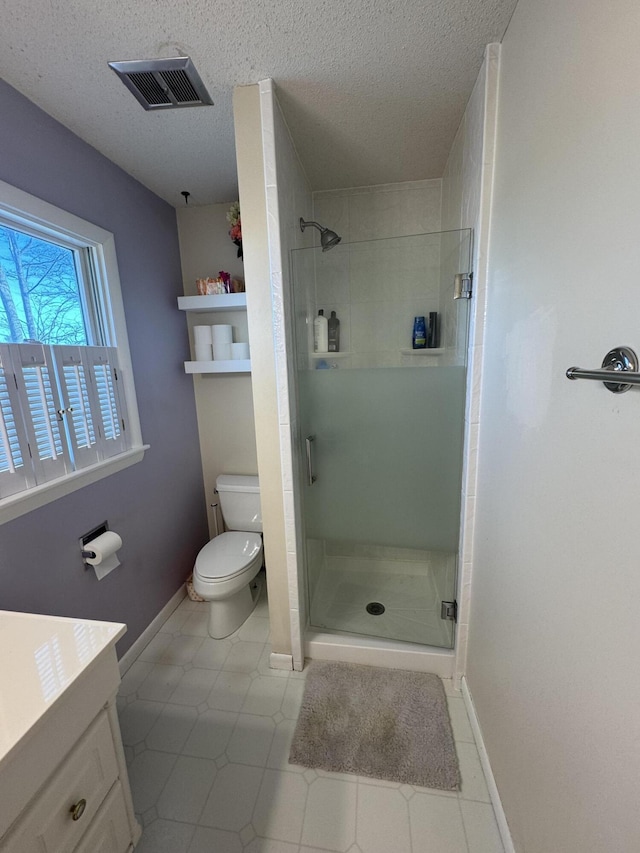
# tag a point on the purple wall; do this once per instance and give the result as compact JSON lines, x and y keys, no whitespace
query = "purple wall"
{"x":158,"y":505}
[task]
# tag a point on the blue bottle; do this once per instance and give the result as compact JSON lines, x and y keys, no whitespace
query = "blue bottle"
{"x":419,"y":340}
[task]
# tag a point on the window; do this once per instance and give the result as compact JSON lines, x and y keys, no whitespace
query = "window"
{"x":68,"y":413}
{"x":45,"y":289}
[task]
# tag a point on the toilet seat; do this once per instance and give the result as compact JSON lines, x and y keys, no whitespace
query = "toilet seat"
{"x":228,"y":555}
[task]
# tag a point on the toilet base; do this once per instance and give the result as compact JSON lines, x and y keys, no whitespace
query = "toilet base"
{"x":227,"y":616}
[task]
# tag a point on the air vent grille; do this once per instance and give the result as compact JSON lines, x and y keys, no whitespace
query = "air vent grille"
{"x":162,"y":84}
{"x":149,"y":88}
{"x":180,"y":85}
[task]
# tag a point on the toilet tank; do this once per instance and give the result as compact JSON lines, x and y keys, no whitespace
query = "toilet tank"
{"x":240,"y":502}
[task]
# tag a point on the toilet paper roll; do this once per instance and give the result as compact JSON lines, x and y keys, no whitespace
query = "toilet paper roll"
{"x":240,"y":350}
{"x":204,"y":352}
{"x":202,"y":334}
{"x":104,"y":547}
{"x":222,"y":350}
{"x":221,"y":334}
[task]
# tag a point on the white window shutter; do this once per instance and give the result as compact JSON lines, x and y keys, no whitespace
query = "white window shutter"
{"x":16,"y":471}
{"x":109,"y":401}
{"x":73,"y":370}
{"x":61,"y":409}
{"x":41,"y":409}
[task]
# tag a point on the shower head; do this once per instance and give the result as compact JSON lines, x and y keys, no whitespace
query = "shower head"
{"x":328,"y":239}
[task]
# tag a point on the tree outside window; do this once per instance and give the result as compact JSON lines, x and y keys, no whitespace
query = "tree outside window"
{"x":41,"y":292}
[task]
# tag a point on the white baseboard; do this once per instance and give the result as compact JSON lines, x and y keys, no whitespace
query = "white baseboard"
{"x":501,"y":820}
{"x":277,"y":661}
{"x":150,"y":631}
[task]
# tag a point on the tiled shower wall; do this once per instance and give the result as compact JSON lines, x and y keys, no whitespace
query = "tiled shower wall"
{"x":466,"y":200}
{"x":376,"y":288}
{"x":377,"y":212}
{"x":288,"y":198}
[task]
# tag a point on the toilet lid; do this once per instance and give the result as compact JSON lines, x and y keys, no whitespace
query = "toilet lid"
{"x":228,"y":554}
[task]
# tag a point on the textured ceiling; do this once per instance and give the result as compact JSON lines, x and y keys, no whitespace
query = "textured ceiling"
{"x":373,"y":90}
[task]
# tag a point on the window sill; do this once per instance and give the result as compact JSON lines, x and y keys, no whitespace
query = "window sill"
{"x":23,"y":502}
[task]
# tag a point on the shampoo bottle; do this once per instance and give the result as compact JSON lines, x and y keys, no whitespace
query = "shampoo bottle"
{"x":334,"y":333}
{"x":419,"y":340}
{"x":321,"y":333}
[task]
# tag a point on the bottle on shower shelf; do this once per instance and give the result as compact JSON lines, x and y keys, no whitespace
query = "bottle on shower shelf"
{"x":433,"y":336}
{"x":334,"y":333}
{"x":321,"y":333}
{"x":419,"y":340}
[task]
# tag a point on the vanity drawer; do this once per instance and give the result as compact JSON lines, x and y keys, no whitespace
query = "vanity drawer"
{"x":110,"y":831}
{"x":49,"y":824}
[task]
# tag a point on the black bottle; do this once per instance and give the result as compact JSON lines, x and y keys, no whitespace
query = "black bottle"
{"x":433,"y":335}
{"x":334,"y":333}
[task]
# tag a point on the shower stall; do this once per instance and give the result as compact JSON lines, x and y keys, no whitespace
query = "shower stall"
{"x":381,"y":434}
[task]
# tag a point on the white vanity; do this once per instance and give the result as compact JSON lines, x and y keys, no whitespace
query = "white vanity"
{"x":63,"y":778}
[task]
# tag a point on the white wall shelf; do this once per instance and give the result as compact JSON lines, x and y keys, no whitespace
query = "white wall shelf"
{"x":237,"y":365}
{"x":218,"y":302}
{"x":206,"y":305}
{"x":422,"y":352}
{"x":329,"y":355}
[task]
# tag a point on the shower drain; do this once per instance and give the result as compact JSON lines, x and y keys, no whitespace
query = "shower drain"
{"x":375,"y":608}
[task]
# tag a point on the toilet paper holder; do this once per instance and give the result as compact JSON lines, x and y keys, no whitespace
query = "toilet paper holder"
{"x":87,"y":539}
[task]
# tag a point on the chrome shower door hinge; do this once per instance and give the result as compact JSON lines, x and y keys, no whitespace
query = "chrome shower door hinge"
{"x":463,"y":285}
{"x":449,"y":610}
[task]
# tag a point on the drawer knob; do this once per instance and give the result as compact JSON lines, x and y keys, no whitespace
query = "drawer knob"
{"x":77,"y":810}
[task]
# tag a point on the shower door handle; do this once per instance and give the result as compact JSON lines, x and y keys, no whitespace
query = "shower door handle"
{"x":311,"y":477}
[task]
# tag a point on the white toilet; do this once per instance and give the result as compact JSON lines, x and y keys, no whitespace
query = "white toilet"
{"x":227,"y":565}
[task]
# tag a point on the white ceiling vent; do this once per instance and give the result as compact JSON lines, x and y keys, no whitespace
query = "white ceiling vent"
{"x":163,"y":84}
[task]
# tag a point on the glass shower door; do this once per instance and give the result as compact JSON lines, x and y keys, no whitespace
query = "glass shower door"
{"x":382,"y":432}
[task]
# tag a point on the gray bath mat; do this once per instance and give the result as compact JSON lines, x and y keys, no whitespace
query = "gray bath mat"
{"x":384,"y":723}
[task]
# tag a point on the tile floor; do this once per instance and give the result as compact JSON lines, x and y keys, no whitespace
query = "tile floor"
{"x":207,"y":726}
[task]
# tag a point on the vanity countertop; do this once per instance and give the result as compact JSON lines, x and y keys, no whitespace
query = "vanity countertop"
{"x":41,"y":657}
